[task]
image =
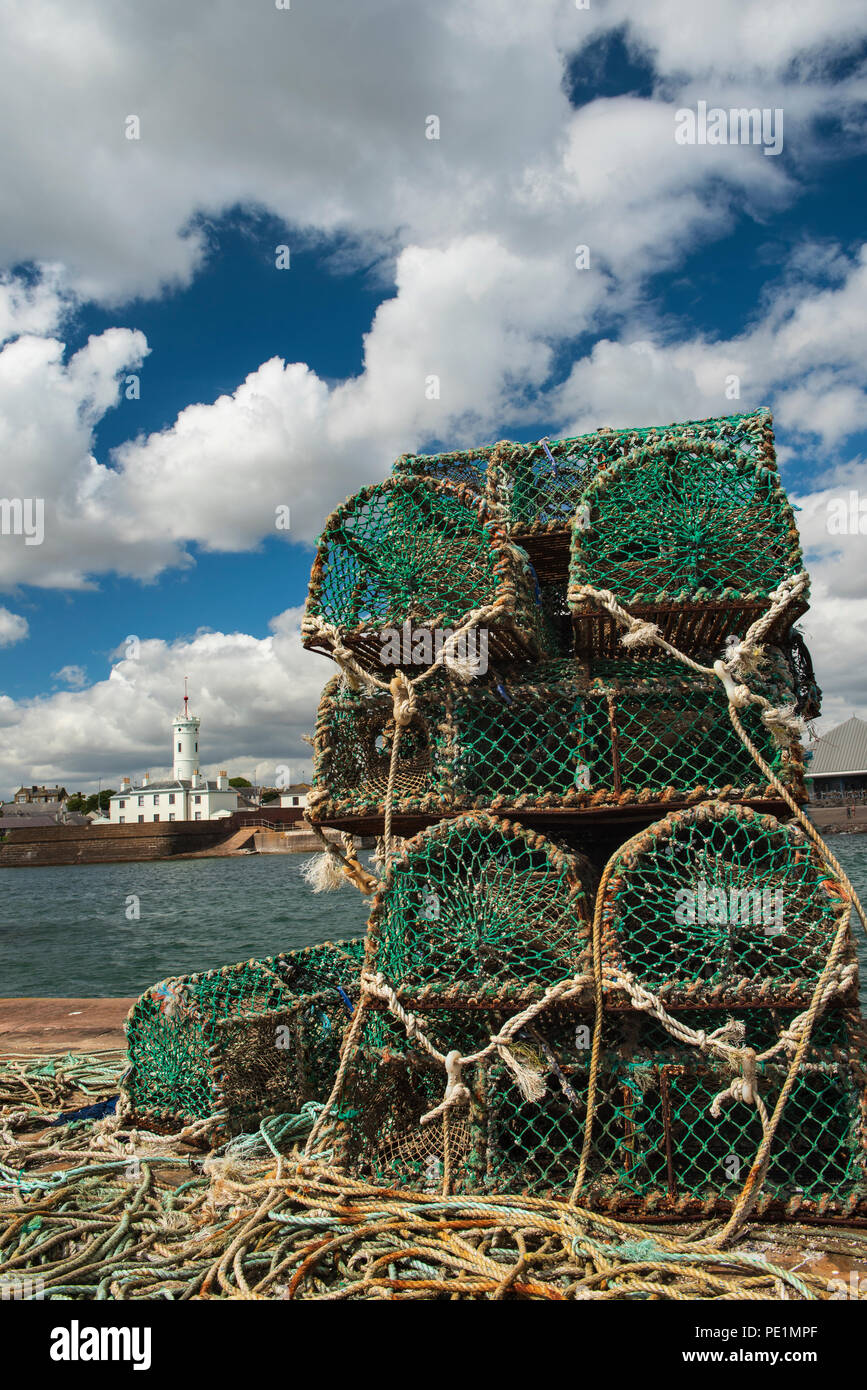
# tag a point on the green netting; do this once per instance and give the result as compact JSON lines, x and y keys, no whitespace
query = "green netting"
{"x":247,"y":1039}
{"x":418,"y":556}
{"x":671,"y":525}
{"x":540,"y":487}
{"x":377,"y":1133}
{"x":469,"y":467}
{"x":655,"y":1142}
{"x":555,"y":735}
{"x":720,"y":903}
{"x":478,"y":908}
{"x":655,"y":1137}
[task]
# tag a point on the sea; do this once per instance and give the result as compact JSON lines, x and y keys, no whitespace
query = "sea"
{"x":115,"y":929}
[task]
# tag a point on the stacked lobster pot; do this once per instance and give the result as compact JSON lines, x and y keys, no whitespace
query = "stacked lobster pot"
{"x":219,"y":1050}
{"x":603,"y":956}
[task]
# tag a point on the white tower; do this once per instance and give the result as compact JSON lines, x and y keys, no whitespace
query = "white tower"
{"x":185,"y":742}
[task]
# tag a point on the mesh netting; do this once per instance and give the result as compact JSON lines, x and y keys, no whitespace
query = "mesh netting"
{"x":541,"y":486}
{"x":416,"y":556}
{"x":655,"y":1142}
{"x":469,"y":467}
{"x":537,"y":486}
{"x":478,"y":908}
{"x":247,"y":1040}
{"x":720,"y":903}
{"x":697,"y":533}
{"x":377,"y":1129}
{"x":554,"y":736}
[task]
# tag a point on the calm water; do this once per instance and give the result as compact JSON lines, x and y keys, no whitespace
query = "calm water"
{"x":64,"y":931}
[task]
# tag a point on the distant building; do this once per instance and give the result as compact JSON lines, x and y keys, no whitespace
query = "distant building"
{"x":187,"y":795}
{"x":296,"y":795}
{"x":838,"y":766}
{"x":39,"y":795}
{"x":15,"y":815}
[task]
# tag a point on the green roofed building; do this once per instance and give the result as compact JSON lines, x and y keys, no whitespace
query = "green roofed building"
{"x":838,"y":766}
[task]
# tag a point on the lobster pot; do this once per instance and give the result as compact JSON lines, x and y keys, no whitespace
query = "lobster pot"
{"x":244,"y":1041}
{"x":377,"y":1134}
{"x":539,"y":485}
{"x":656,"y":1146}
{"x":655,"y":1143}
{"x":479,"y":912}
{"x":552,"y":738}
{"x":352,"y":749}
{"x":720,"y":904}
{"x":406,"y":562}
{"x":466,"y":467}
{"x":695,"y":538}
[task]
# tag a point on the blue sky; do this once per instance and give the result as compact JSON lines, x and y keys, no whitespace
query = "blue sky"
{"x":408,"y":256}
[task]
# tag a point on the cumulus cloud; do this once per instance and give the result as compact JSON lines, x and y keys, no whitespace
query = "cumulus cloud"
{"x":48,"y":409}
{"x":317,"y":115}
{"x":75,"y":676}
{"x":13,"y":628}
{"x":256,"y":698}
{"x":479,"y":228}
{"x":805,"y":354}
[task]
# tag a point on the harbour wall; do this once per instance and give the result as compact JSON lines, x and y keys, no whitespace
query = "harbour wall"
{"x":102,"y":844}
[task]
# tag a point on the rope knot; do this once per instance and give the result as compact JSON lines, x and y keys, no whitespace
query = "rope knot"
{"x":782,"y":722}
{"x":737,"y":695}
{"x":640,"y":634}
{"x":403,"y":699}
{"x":456,"y":1092}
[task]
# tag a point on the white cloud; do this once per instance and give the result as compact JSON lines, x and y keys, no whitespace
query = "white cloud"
{"x":255,"y":697}
{"x":481,"y":224}
{"x":317,"y":114}
{"x":809,"y":335}
{"x":74,"y":676}
{"x":13,"y":628}
{"x":739,"y":38}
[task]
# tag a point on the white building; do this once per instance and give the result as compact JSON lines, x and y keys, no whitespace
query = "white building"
{"x":295,"y":796}
{"x":187,"y":795}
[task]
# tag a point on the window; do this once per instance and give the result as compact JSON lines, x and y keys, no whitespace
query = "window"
{"x":121,"y":820}
{"x":122,"y":802}
{"x":198,"y":813}
{"x":171,"y":815}
{"x":171,"y":798}
{"x":197,"y":800}
{"x":294,"y":801}
{"x":156,"y":798}
{"x":197,"y":748}
{"x":179,"y":748}
{"x":156,"y":817}
{"x":141,"y":803}
{"x":141,"y":818}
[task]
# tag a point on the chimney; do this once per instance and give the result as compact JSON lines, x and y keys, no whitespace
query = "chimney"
{"x":222,"y":780}
{"x":124,"y":784}
{"x":146,"y":780}
{"x":195,"y":779}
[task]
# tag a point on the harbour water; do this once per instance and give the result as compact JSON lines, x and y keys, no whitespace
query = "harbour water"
{"x":73,"y":930}
{"x":115,"y":929}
